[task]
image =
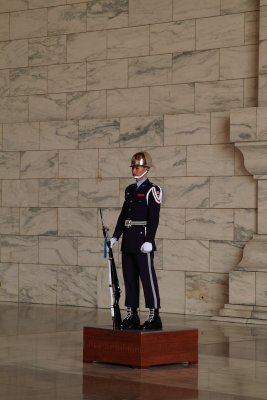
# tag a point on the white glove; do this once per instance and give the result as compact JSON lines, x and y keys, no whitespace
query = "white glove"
{"x":112,"y":241}
{"x":146,"y":247}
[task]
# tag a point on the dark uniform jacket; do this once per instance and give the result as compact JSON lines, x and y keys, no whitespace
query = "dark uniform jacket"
{"x":136,"y":208}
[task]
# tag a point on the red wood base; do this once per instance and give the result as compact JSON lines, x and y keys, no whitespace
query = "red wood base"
{"x":140,"y":349}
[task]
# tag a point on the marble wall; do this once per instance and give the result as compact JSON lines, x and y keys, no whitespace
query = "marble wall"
{"x":84,"y":85}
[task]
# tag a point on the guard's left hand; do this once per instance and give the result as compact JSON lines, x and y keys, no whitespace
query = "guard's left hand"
{"x":146,"y":247}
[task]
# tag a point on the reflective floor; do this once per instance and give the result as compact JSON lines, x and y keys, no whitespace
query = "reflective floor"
{"x":41,"y":358}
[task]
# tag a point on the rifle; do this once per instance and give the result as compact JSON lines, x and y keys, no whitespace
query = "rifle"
{"x":114,"y":286}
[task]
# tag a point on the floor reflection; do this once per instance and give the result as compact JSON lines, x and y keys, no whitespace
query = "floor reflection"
{"x":41,"y":358}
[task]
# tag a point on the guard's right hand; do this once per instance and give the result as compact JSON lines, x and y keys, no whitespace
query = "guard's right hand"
{"x":112,"y":242}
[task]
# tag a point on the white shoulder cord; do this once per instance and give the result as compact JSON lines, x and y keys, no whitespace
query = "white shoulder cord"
{"x":157,"y":196}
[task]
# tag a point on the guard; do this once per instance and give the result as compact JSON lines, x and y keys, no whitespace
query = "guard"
{"x":137,"y":223}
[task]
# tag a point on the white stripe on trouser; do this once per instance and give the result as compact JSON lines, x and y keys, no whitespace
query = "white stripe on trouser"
{"x":151,"y":280}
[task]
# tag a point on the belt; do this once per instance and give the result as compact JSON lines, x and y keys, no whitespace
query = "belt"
{"x":129,"y":222}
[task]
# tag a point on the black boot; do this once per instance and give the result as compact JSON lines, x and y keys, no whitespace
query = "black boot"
{"x":153,"y":321}
{"x":131,"y":321}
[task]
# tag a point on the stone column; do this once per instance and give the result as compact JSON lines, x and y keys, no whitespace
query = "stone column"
{"x":248,"y":280}
{"x":248,"y":131}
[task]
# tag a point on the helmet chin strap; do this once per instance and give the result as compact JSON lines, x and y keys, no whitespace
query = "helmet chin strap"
{"x":141,"y":176}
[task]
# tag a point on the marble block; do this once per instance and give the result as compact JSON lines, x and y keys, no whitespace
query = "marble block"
{"x":186,"y":192}
{"x":91,"y":252}
{"x":230,"y":7}
{"x":45,"y":3}
{"x":262,"y":207}
{"x":251,"y":92}
{"x":9,"y":165}
{"x":172,"y":99}
{"x":225,"y":255}
{"x":172,"y":224}
{"x":98,"y":193}
{"x":47,"y":50}
{"x":4,"y":83}
{"x":28,"y":24}
{"x":14,"y":54}
{"x":187,"y":129}
{"x":22,"y":249}
{"x":141,"y":131}
{"x":84,"y":105}
{"x":67,"y":78}
{"x":263,"y":19}
{"x":78,"y":163}
{"x":239,"y":62}
{"x":171,"y":37}
{"x":77,"y":286}
{"x":27,"y":81}
{"x":99,"y":133}
{"x":38,"y":221}
{"x":245,"y":224}
{"x":128,"y":102}
{"x":252,"y":20}
{"x":261,"y":281}
{"x":172,"y":291}
{"x":219,"y":96}
{"x":58,"y":192}
{"x":221,"y":31}
{"x":106,"y":14}
{"x":47,"y":107}
{"x":14,"y":109}
{"x":98,"y":74}
{"x":128,"y":42}
{"x":77,"y":222}
{"x":242,"y":287}
{"x":66,"y":19}
{"x":4,"y":27}
{"x":12,"y":6}
{"x":9,"y":282}
{"x":86,"y":46}
{"x":205,"y":293}
{"x":220,"y":127}
{"x":210,"y":160}
{"x":37,"y":283}
{"x":195,"y":66}
{"x":262,"y":85}
{"x":39,"y":164}
{"x":186,"y":255}
{"x":261,"y":123}
{"x":233,"y":192}
{"x":9,"y":221}
{"x":58,"y":135}
{"x":195,"y":9}
{"x":150,"y":70}
{"x":243,"y":124}
{"x":21,"y":136}
{"x":58,"y":250}
{"x":149,"y":11}
{"x":262,"y":57}
{"x":211,"y":224}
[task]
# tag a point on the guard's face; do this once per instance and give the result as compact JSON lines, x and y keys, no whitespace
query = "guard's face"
{"x":138,"y":172}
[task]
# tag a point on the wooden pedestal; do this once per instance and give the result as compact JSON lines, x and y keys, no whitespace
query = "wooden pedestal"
{"x":140,"y":349}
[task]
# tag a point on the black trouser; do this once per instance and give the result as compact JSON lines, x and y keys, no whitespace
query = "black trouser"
{"x":135,"y":266}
